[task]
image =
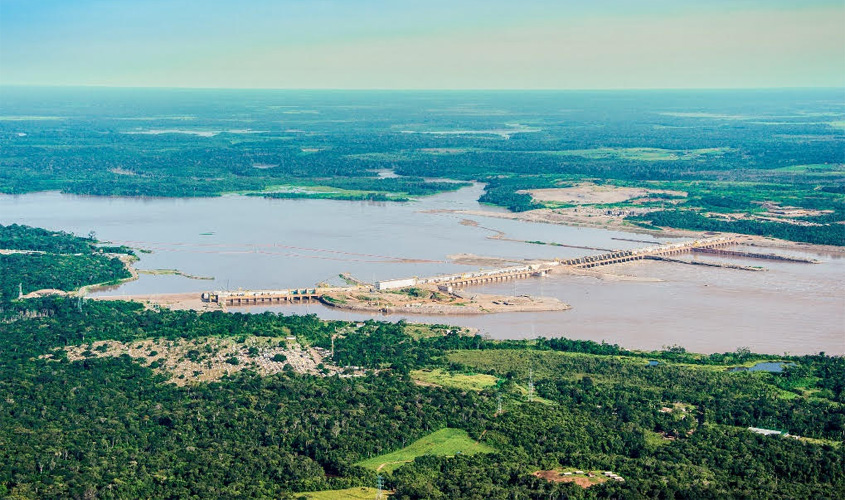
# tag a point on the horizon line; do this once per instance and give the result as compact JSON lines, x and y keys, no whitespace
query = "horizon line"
{"x":411,"y":89}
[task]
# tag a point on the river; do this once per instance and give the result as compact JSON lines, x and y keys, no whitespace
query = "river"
{"x":256,"y":243}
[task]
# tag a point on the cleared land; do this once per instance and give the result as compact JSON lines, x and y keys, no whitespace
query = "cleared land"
{"x":430,"y":301}
{"x":445,"y":442}
{"x":471,"y":259}
{"x":438,"y":377}
{"x":594,"y":194}
{"x":584,"y":480}
{"x":207,"y":359}
{"x":175,"y":301}
{"x":347,"y":494}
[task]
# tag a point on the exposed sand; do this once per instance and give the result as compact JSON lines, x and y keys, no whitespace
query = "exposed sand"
{"x":44,"y":292}
{"x":602,"y":275}
{"x":440,"y":303}
{"x":176,"y":301}
{"x":613,"y":219}
{"x":471,"y":259}
{"x":594,"y":194}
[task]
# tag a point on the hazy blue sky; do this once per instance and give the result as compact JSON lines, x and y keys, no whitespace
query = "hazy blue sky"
{"x":424,"y":44}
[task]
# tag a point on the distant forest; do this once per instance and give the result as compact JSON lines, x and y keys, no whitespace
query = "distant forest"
{"x":743,"y":147}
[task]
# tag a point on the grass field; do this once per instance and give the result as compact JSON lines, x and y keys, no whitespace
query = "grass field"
{"x":461,"y":381}
{"x":545,"y":364}
{"x":328,"y":192}
{"x":445,"y":442}
{"x":347,"y":494}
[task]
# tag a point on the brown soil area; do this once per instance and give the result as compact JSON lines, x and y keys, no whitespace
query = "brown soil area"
{"x":471,"y":259}
{"x":583,"y":217}
{"x":581,"y":480}
{"x":602,"y":275}
{"x":593,"y":194}
{"x":763,"y":242}
{"x":44,"y":292}
{"x":614,"y":220}
{"x":434,"y":302}
{"x":176,"y":301}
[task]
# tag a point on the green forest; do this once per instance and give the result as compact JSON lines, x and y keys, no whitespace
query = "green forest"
{"x":34,"y":259}
{"x":88,"y":409}
{"x":671,"y":423}
{"x":747,"y":149}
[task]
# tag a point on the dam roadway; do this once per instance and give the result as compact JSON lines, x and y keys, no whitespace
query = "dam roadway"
{"x":540,"y":269}
{"x":453,"y":281}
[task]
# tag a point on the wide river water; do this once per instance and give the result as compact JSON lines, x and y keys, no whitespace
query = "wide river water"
{"x":256,"y":243}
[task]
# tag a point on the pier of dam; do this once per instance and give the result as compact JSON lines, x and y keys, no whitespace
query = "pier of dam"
{"x":264,"y":297}
{"x":450,"y":282}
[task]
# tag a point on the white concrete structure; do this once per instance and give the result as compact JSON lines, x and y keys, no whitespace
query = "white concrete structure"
{"x":395,"y":284}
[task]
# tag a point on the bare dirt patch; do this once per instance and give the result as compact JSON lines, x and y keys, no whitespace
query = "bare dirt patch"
{"x":582,"y":216}
{"x":594,"y":194}
{"x":206,"y":359}
{"x":431,"y":301}
{"x":44,"y":292}
{"x":581,"y":480}
{"x":175,"y":301}
{"x":471,"y":259}
{"x":122,"y":171}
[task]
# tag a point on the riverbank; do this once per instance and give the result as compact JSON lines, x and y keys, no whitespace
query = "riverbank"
{"x":175,"y":301}
{"x":581,"y":217}
{"x":430,"y":301}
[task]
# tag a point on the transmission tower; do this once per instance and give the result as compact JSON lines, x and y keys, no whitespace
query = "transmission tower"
{"x":80,"y":300}
{"x":530,"y":385}
{"x":380,"y":488}
{"x":20,"y":290}
{"x":498,"y":404}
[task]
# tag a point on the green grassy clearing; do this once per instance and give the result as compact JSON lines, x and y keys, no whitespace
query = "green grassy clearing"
{"x":328,"y":192}
{"x":814,"y":168}
{"x":477,"y":382}
{"x":654,"y":440}
{"x":347,"y":494}
{"x":422,"y":330}
{"x":545,"y":364}
{"x":445,"y":442}
{"x":640,"y":154}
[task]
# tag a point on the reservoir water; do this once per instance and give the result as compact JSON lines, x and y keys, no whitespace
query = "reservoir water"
{"x":256,"y":243}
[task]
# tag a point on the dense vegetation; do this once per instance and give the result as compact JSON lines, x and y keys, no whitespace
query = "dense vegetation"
{"x":28,"y":273}
{"x":730,"y":151}
{"x":18,"y":237}
{"x":53,"y":260}
{"x":112,"y":428}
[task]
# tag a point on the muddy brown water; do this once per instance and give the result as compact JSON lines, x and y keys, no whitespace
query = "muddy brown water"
{"x":256,"y":243}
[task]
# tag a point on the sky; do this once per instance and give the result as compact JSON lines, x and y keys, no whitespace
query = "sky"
{"x":431,"y":44}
